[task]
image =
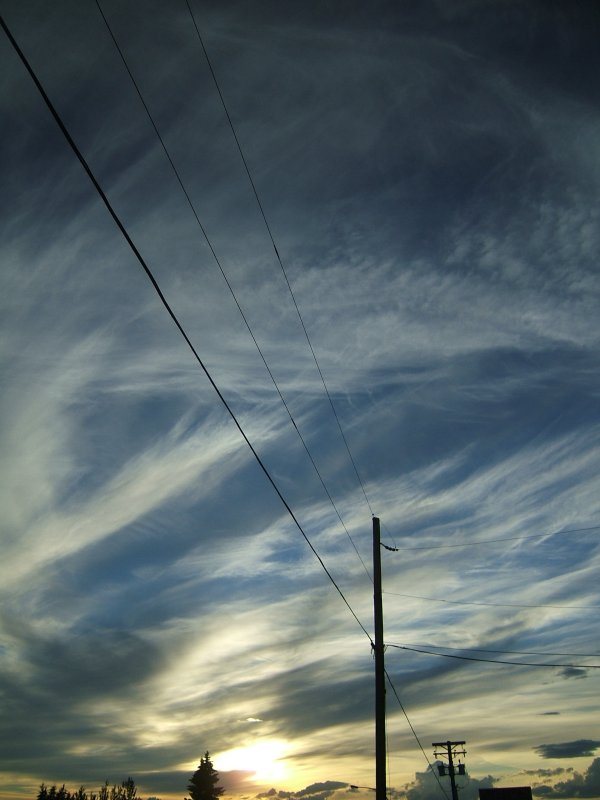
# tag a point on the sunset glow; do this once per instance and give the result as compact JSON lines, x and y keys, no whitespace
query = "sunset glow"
{"x":264,"y":759}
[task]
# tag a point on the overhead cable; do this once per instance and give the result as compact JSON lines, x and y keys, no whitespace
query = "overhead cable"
{"x":491,"y":660}
{"x":493,"y":541}
{"x":483,"y":603}
{"x":169,"y":310}
{"x":510,"y":652}
{"x":414,"y":733}
{"x":226,"y":279}
{"x":279,"y":259}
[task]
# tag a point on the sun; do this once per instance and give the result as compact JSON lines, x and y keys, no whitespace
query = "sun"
{"x":265,"y":759}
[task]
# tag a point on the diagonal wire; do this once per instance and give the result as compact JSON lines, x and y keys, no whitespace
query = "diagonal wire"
{"x":225,"y":278}
{"x":271,"y":237}
{"x":169,"y":310}
{"x":414,"y":733}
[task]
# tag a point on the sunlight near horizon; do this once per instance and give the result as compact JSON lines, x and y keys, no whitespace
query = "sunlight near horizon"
{"x":264,"y":759}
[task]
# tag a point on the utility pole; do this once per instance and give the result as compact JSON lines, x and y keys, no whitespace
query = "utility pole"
{"x":449,"y":751}
{"x":378,"y":647}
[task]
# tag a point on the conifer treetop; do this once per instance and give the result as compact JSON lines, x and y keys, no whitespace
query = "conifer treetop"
{"x":203,"y":784}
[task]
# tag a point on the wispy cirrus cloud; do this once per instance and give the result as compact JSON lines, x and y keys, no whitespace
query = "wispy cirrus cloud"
{"x":435,"y":214}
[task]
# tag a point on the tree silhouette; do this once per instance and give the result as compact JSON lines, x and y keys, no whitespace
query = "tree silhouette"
{"x":126,"y":791}
{"x":203,"y":783}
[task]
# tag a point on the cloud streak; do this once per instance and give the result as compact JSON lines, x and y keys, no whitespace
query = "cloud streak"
{"x":436,"y":215}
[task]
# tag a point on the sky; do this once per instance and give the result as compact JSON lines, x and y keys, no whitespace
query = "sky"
{"x":424,"y":349}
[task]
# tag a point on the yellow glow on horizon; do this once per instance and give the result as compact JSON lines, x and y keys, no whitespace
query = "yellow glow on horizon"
{"x":264,"y":759}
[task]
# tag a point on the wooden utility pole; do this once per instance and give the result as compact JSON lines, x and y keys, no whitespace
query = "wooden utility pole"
{"x":378,"y":647}
{"x":450,"y":749}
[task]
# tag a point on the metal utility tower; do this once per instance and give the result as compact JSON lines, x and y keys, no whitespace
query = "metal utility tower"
{"x":449,"y":750}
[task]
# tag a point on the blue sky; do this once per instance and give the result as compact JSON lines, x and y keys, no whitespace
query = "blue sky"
{"x":430,"y":174}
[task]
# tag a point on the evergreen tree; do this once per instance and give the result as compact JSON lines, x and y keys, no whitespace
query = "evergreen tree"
{"x":203,"y":783}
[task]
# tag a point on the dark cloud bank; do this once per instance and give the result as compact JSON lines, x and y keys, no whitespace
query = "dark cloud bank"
{"x":579,"y":785}
{"x":580,"y":747}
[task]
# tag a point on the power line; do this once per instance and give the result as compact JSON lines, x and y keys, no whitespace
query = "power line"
{"x":169,"y":310}
{"x":483,"y":603}
{"x":511,"y":652}
{"x":493,"y":541}
{"x":414,"y":733}
{"x":491,"y":660}
{"x":271,"y":237}
{"x":225,"y":278}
